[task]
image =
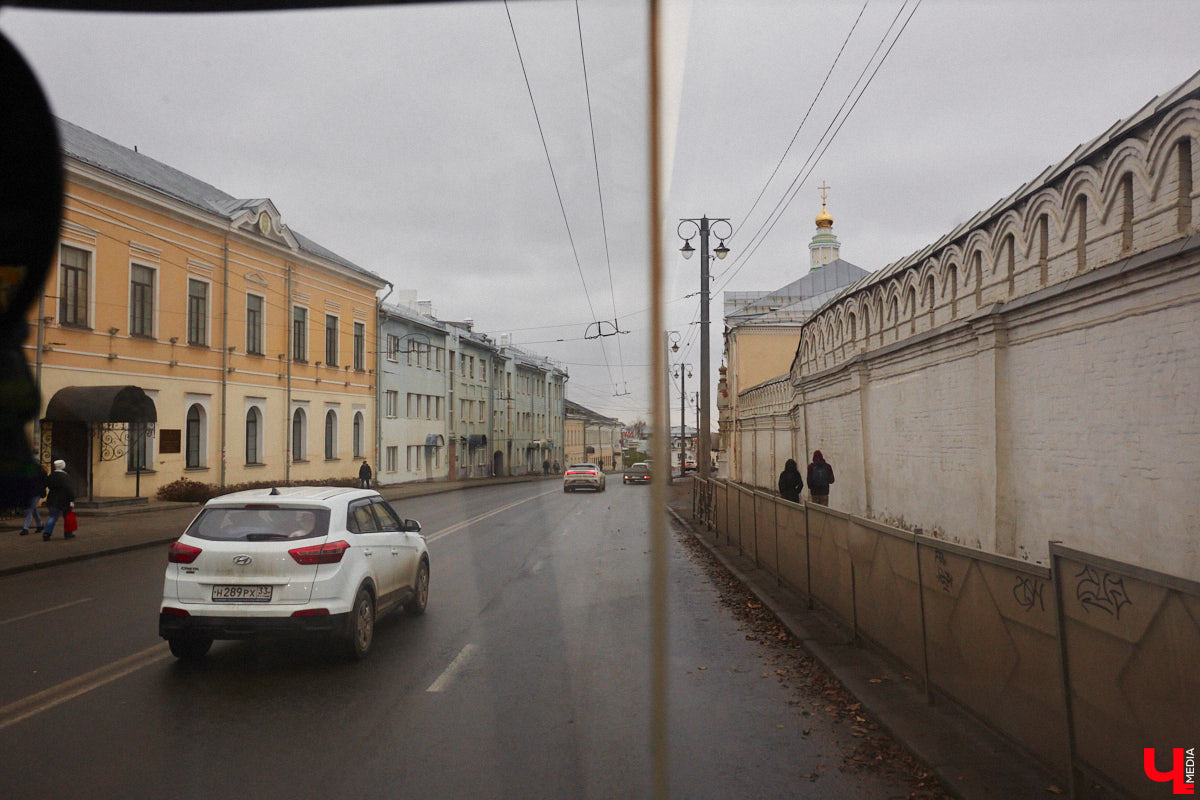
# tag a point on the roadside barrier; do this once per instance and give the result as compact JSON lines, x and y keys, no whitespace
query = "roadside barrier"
{"x":1084,"y":664}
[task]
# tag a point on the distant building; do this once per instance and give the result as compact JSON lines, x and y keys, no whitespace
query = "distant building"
{"x":762,"y":329}
{"x":592,"y":438}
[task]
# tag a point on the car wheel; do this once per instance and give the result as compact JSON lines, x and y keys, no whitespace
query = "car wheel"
{"x":416,"y":606}
{"x":362,"y":626}
{"x":189,"y":649}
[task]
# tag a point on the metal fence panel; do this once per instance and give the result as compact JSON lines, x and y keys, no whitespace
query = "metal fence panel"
{"x":991,"y":640}
{"x":793,"y":545}
{"x":1131,"y":651}
{"x":831,"y":565}
{"x":887,"y":593}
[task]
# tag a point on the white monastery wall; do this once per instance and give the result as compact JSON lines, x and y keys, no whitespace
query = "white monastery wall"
{"x":1035,"y":374}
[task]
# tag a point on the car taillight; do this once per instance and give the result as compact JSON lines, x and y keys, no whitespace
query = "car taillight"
{"x":330,"y":553}
{"x":179,"y":553}
{"x":312,"y":612}
{"x":175,"y":612}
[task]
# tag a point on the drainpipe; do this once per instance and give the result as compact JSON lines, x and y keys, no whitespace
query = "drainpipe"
{"x":287,"y":406}
{"x":224,"y":355}
{"x":37,"y":373}
{"x":379,"y":382}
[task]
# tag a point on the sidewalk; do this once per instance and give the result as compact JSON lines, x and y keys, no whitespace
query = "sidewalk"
{"x":971,"y":761}
{"x":115,"y":529}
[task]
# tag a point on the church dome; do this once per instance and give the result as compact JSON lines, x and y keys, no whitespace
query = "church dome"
{"x":824,"y":219}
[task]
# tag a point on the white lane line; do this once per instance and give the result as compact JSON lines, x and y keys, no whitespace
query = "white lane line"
{"x":45,"y":610}
{"x":468,"y":522}
{"x":447,"y":677}
{"x":13,"y":713}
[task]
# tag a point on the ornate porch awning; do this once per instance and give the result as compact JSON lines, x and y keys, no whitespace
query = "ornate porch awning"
{"x":101,"y":404}
{"x":477,"y":440}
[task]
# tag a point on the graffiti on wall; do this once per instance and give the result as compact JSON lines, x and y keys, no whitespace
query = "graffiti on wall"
{"x":1103,"y":591}
{"x":1028,"y":592}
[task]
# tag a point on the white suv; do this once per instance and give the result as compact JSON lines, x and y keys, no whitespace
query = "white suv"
{"x":312,"y":559}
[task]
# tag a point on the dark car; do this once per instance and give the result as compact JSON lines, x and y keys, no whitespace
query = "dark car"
{"x":637,"y":473}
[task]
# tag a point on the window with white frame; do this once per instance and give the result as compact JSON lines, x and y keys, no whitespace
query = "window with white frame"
{"x":393,"y":347}
{"x":299,"y":434}
{"x":141,"y":300}
{"x":358,"y":434}
{"x":299,"y":333}
{"x":392,"y":461}
{"x":74,"y":267}
{"x":194,"y":438}
{"x":330,"y":435}
{"x":254,"y":324}
{"x":392,"y":403}
{"x":360,"y":347}
{"x":331,"y":340}
{"x":254,"y":433}
{"x":197,"y":312}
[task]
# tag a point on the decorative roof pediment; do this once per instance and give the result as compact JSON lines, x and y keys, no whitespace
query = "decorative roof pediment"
{"x":261,"y":218}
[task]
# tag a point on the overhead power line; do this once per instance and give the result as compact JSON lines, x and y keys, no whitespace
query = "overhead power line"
{"x":554,"y":178}
{"x":827,"y":139}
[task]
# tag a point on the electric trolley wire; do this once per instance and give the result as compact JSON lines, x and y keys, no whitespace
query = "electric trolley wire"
{"x":599,"y":188}
{"x":554,"y":178}
{"x":814,"y":157}
{"x":799,"y":127}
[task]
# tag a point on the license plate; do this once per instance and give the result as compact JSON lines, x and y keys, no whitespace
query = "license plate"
{"x":241,"y":594}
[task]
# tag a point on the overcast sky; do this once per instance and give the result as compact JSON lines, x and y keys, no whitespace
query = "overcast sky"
{"x":404,"y":138}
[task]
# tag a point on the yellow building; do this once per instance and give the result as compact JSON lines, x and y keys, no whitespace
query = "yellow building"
{"x":591,"y":438}
{"x":183,"y":332}
{"x":762,"y":329}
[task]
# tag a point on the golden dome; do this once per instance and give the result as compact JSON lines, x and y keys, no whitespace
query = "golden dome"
{"x":824,"y":219}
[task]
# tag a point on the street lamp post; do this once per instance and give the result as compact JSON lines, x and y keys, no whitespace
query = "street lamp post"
{"x":683,"y":372}
{"x":703,"y":226}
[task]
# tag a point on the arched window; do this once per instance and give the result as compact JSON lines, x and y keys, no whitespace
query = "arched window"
{"x":952,"y":279}
{"x":358,"y":434}
{"x":299,"y":430}
{"x":931,"y":297}
{"x":912,"y":310}
{"x":330,"y":435}
{"x":254,"y":436}
{"x":194,"y":449}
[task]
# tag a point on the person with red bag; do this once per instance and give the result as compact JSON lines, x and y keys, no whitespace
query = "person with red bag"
{"x":60,"y":500}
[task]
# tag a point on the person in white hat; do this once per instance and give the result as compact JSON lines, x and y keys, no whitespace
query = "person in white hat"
{"x":60,"y":499}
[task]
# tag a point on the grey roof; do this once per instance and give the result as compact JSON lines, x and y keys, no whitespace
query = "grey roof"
{"x":412,"y":316}
{"x":91,"y":148}
{"x":794,"y":302}
{"x":571,"y":407}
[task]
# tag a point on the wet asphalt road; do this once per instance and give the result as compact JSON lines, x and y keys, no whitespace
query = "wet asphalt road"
{"x":527,"y":678}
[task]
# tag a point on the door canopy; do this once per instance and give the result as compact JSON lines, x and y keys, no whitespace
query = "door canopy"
{"x":101,"y":404}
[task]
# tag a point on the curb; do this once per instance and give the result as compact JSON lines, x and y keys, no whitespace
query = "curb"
{"x":431,"y":488}
{"x":969,"y":759}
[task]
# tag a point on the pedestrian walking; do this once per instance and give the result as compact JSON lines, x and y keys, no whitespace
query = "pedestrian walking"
{"x":60,"y":499}
{"x":33,"y":518}
{"x":820,"y":476}
{"x":545,"y":468}
{"x":790,"y":482}
{"x":364,"y":475}
{"x":557,"y":467}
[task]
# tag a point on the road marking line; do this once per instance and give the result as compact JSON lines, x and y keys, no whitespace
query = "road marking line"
{"x":45,"y":700}
{"x":447,"y":677}
{"x":45,"y":610}
{"x":468,"y":522}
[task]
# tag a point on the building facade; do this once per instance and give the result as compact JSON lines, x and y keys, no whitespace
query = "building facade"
{"x":592,"y":438}
{"x":183,"y":332}
{"x":414,"y":371}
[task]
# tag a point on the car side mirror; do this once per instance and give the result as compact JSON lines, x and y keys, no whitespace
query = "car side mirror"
{"x":411,"y":526}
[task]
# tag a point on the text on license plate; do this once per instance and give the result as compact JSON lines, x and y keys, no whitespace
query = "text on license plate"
{"x":241,"y":594}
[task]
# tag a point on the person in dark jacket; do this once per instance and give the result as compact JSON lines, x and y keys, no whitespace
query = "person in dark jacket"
{"x":33,"y":518}
{"x":364,"y":475}
{"x":820,"y":476}
{"x":60,"y":499}
{"x":790,"y":482}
